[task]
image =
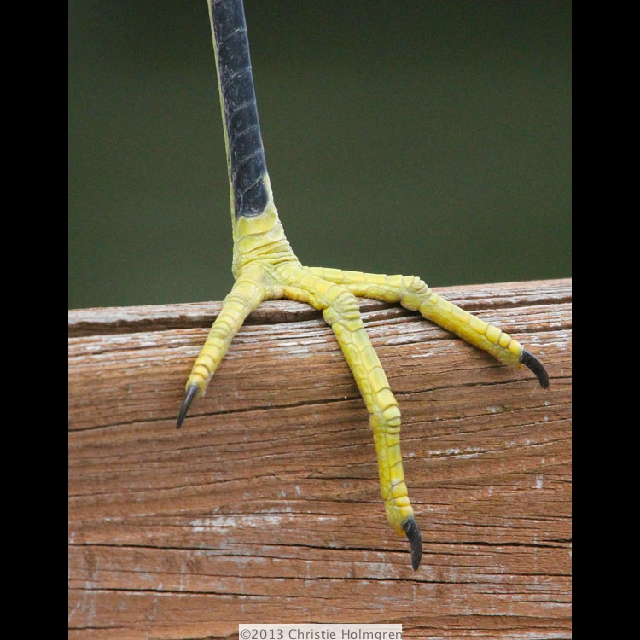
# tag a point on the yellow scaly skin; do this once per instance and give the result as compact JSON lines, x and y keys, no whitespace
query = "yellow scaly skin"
{"x":266,"y":268}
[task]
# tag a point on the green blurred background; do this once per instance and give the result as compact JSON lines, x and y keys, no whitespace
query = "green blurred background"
{"x":429,"y":138}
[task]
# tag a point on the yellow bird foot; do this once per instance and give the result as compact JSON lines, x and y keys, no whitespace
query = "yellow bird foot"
{"x":265,"y":267}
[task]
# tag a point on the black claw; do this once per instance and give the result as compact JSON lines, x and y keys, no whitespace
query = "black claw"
{"x":191,"y":394}
{"x":412,"y":530}
{"x":537,"y":367}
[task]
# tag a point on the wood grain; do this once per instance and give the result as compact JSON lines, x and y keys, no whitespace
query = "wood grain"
{"x":265,"y":507}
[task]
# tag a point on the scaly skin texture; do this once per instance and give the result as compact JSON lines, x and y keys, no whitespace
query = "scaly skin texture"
{"x":265,"y":268}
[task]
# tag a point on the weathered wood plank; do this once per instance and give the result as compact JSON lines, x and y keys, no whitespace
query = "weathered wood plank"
{"x":265,"y":506}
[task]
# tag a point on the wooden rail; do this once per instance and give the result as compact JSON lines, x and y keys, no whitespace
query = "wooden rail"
{"x":265,"y":506}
